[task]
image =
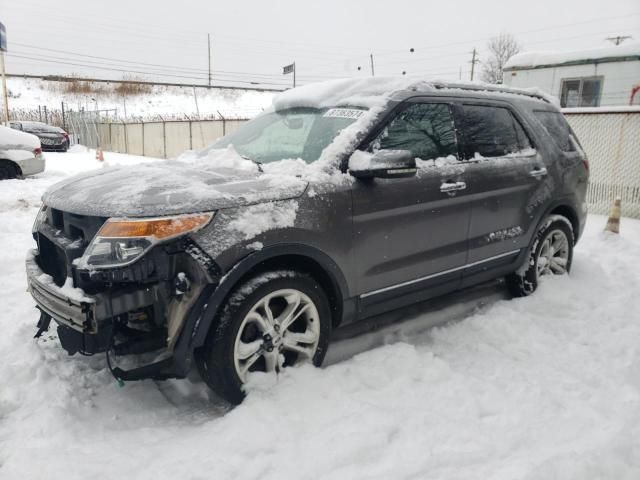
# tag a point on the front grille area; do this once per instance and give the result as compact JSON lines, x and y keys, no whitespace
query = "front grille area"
{"x":52,"y":260}
{"x":63,"y":238}
{"x":74,"y":226}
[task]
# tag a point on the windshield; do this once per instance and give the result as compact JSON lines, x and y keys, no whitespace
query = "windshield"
{"x":294,"y":133}
{"x":38,"y":127}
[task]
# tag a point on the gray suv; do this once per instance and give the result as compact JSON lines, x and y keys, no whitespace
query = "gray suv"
{"x":344,"y":200}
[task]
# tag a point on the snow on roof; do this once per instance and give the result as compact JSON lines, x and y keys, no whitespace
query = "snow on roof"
{"x":365,"y":92}
{"x":538,"y":59}
{"x":376,"y":91}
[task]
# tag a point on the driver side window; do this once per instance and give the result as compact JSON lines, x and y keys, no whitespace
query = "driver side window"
{"x":426,"y":130}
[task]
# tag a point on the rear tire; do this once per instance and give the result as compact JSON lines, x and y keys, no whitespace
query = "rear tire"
{"x":551,"y":254}
{"x":7,"y":171}
{"x":272,"y":321}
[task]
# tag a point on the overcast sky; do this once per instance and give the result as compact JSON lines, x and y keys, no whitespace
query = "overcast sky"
{"x":253,"y":39}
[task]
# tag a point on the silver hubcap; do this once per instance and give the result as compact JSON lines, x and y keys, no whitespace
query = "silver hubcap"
{"x":554,"y":254}
{"x":281,"y":329}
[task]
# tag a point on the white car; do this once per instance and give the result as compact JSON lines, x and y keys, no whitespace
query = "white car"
{"x":20,"y":154}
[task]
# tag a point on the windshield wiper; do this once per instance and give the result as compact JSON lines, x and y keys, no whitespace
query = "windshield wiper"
{"x":259,"y":164}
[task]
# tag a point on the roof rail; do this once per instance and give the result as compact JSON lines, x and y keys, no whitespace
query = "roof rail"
{"x":491,"y":88}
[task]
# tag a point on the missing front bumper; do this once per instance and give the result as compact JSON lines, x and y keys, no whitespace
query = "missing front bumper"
{"x":86,"y":315}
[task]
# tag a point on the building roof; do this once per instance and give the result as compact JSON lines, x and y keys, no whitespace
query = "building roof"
{"x":615,"y":53}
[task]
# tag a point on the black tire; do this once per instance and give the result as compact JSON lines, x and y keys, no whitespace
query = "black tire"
{"x":7,"y":171}
{"x":216,"y":361}
{"x":525,"y":281}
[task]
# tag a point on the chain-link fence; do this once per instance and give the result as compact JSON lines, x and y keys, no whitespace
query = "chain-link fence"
{"x":83,"y":126}
{"x":162,"y":139}
{"x":611,"y":140}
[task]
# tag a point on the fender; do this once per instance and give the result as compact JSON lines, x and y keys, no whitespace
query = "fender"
{"x":565,"y":202}
{"x":197,"y":326}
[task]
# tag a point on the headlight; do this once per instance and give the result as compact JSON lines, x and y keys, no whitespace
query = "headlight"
{"x":40,"y":218}
{"x":122,"y":241}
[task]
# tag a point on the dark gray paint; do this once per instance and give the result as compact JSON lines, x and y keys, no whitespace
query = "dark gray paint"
{"x":384,"y":243}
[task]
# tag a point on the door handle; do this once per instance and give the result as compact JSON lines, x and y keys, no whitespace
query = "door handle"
{"x":448,"y":187}
{"x":538,"y":172}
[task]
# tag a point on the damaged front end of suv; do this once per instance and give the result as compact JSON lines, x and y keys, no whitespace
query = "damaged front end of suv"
{"x":123,"y":285}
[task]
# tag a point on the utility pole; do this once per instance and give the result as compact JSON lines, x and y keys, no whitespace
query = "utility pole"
{"x":4,"y":90}
{"x":619,"y":39}
{"x":373,"y":73}
{"x":209,"y":55}
{"x":474,"y":60}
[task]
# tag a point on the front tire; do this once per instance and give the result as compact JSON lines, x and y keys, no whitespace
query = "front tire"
{"x":551,"y":254}
{"x":275,"y":320}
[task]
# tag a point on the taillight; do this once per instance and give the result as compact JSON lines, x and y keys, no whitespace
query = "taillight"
{"x":37,"y":151}
{"x":66,"y":136}
{"x":585,"y":160}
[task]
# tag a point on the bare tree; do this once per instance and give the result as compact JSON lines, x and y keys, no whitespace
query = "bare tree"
{"x":501,"y":49}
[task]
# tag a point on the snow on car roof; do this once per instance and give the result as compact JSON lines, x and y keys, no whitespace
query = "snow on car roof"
{"x":30,"y":124}
{"x":537,"y":59}
{"x":376,"y":91}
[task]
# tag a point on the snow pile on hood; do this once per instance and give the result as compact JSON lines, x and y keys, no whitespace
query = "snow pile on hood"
{"x":221,"y":179}
{"x":11,"y":139}
{"x":535,"y":59}
{"x":219,"y":158}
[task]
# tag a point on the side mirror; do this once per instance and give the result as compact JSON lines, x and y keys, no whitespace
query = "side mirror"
{"x":382,"y":164}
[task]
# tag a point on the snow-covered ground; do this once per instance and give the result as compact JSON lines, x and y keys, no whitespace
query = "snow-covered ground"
{"x":26,"y":94}
{"x":546,"y":387}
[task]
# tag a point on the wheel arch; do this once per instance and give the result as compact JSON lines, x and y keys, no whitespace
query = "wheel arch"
{"x":567,"y":211}
{"x":296,"y":257}
{"x":13,"y":164}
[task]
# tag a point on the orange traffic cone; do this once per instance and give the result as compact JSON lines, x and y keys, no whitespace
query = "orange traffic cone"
{"x":99,"y":155}
{"x":613,"y":223}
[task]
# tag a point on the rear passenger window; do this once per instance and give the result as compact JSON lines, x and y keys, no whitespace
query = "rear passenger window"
{"x":425,"y":129}
{"x":556,"y":125}
{"x":492,"y":132}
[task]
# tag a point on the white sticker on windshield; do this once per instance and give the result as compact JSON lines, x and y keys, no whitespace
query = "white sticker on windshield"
{"x":343,"y":113}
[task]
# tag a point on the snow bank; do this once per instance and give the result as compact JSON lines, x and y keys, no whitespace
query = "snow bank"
{"x":545,"y":387}
{"x":535,"y":59}
{"x":165,"y":101}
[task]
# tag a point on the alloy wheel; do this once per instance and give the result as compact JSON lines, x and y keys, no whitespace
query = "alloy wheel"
{"x":553,"y":256}
{"x":281,"y":329}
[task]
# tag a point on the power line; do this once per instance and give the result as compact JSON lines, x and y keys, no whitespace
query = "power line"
{"x":136,"y":63}
{"x":113,"y":69}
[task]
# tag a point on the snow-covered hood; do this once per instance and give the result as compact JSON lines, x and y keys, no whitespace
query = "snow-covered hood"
{"x":169,"y":187}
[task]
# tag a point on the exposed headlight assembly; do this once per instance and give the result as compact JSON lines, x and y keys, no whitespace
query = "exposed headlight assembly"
{"x":121,"y":241}
{"x":40,"y":218}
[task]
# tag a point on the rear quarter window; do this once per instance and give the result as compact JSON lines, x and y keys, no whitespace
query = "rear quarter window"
{"x":492,"y":132}
{"x":558,"y":128}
